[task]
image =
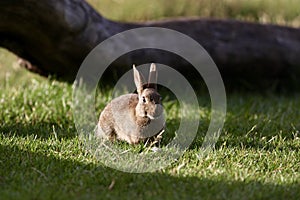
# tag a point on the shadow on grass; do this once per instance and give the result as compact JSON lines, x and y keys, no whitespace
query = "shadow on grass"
{"x":30,"y":175}
{"x":42,"y":130}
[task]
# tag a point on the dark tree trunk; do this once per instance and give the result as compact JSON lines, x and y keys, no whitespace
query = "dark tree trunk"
{"x":55,"y":36}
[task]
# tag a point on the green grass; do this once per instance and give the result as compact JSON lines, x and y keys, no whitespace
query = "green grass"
{"x":256,"y":157}
{"x":42,"y":157}
{"x":283,"y":12}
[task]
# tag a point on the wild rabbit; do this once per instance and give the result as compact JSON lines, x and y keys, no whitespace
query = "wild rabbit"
{"x":134,"y":117}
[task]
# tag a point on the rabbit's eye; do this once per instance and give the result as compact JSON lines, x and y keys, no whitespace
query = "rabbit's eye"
{"x":144,"y":99}
{"x":151,"y":99}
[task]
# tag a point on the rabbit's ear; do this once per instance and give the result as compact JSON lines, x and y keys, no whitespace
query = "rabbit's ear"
{"x":152,"y":80}
{"x":139,"y":80}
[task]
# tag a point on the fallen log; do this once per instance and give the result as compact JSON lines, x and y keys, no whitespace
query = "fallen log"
{"x":53,"y":37}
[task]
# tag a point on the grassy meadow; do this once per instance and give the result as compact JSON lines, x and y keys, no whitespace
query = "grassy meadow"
{"x":256,"y":157}
{"x":283,"y":12}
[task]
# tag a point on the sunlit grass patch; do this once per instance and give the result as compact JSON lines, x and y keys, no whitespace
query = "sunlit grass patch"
{"x":283,"y":12}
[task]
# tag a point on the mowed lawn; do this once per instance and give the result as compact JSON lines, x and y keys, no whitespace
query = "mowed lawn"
{"x":41,"y":156}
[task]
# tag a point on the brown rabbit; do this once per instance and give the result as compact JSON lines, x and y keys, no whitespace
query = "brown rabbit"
{"x":134,"y":117}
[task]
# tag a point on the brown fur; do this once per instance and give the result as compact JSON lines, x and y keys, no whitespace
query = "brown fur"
{"x":133,"y":117}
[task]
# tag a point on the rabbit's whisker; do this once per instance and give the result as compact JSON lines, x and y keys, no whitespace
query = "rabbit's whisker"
{"x":150,"y":117}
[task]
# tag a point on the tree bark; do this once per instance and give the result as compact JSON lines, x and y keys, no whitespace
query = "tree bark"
{"x":55,"y":36}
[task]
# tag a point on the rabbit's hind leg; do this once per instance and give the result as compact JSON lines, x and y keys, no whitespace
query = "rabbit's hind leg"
{"x":105,"y":132}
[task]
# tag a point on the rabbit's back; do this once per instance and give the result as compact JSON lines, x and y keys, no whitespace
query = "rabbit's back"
{"x":123,"y":112}
{"x":118,"y":117}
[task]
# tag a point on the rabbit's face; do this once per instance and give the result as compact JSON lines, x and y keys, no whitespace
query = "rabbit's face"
{"x":149,"y":104}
